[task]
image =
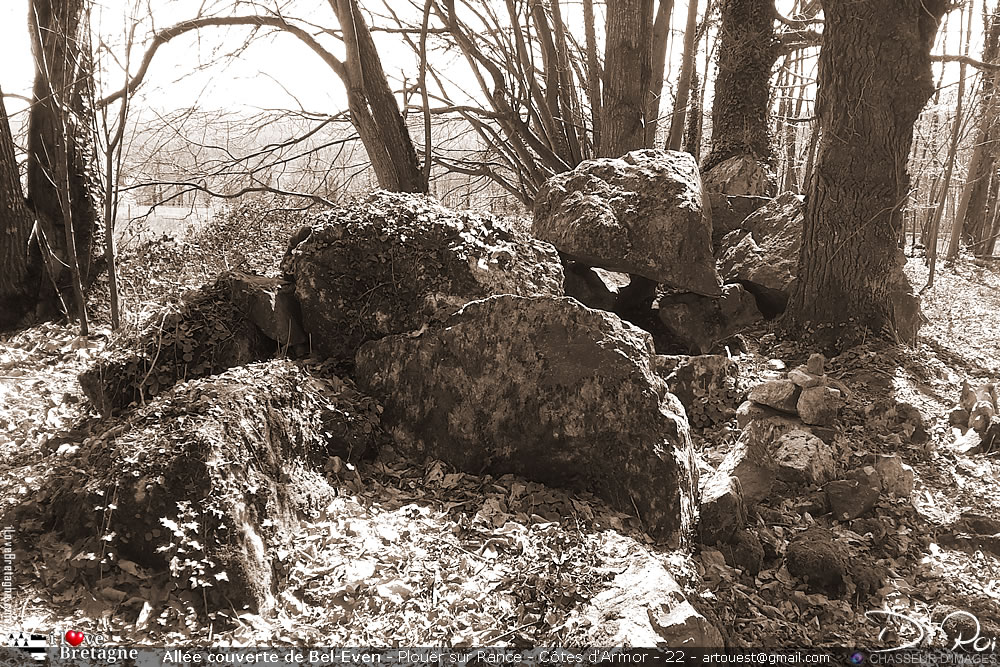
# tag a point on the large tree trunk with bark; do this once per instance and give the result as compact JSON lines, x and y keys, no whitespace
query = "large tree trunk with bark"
{"x":747,"y":51}
{"x":847,"y":264}
{"x":19,"y":276}
{"x":661,"y":33}
{"x":739,"y":169}
{"x":60,"y":174}
{"x":374,"y":111}
{"x":61,"y":158}
{"x":60,"y":119}
{"x":676,"y":135}
{"x":627,"y":76}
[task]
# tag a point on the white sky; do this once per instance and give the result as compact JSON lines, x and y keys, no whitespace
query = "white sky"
{"x":251,"y":81}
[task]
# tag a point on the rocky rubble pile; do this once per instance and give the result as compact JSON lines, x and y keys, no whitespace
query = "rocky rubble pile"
{"x":805,"y":393}
{"x":790,"y":443}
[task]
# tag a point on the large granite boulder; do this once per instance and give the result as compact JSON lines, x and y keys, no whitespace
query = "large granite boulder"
{"x":763,"y":254}
{"x":641,"y":214}
{"x":228,"y":323}
{"x":547,"y":389}
{"x":398,"y":261}
{"x":206,"y":482}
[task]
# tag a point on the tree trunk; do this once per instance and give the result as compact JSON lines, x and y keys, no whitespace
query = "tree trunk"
{"x":684,"y":80}
{"x":661,"y":33}
{"x":692,"y":135}
{"x":21,"y":272}
{"x":569,"y":119}
{"x":958,"y":219}
{"x":374,"y":111}
{"x":59,"y":129}
{"x":790,"y":178}
{"x":993,"y":216}
{"x":593,"y":74}
{"x":847,"y":263}
{"x":627,"y":75}
{"x":747,"y":52}
{"x":982,"y":164}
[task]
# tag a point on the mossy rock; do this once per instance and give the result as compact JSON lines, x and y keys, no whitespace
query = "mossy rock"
{"x":208,"y":331}
{"x":397,"y":262}
{"x":210,"y":478}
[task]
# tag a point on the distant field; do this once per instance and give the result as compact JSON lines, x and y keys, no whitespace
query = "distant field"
{"x":137,"y":223}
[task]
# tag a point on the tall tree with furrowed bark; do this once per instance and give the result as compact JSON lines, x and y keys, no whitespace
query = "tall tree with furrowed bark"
{"x":874,"y":79}
{"x":48,"y":235}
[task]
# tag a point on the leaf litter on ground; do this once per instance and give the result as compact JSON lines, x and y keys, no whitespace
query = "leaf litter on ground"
{"x":418,"y":553}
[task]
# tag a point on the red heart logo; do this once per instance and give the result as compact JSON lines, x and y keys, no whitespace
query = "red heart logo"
{"x":74,"y":637}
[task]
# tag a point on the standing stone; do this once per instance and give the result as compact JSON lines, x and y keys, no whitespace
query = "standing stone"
{"x":752,"y":459}
{"x":737,"y":187}
{"x":816,"y":364}
{"x":544,"y":388}
{"x":705,"y":385}
{"x":271,"y":305}
{"x":763,"y":254}
{"x":640,"y":214}
{"x":723,"y":511}
{"x":699,"y":322}
{"x":856,"y":496}
{"x":896,"y":477}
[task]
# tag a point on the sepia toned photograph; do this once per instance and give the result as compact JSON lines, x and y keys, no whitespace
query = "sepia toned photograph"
{"x":499,"y":332}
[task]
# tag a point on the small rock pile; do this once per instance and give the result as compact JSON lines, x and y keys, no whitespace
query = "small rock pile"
{"x":806,"y":393}
{"x":790,"y":441}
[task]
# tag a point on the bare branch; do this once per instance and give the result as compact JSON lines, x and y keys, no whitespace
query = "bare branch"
{"x":178,"y":29}
{"x":967,"y":60}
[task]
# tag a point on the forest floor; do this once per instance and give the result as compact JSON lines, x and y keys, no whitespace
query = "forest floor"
{"x":417,"y":554}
